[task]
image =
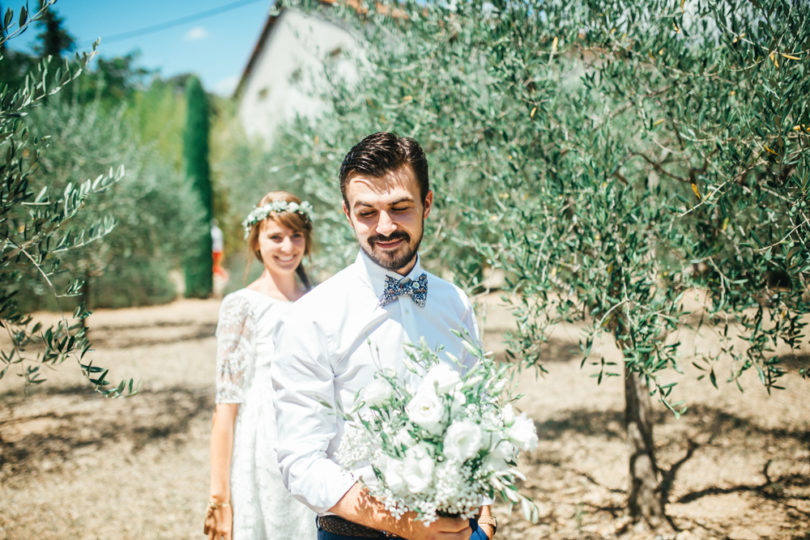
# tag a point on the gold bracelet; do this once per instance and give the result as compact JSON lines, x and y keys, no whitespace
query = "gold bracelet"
{"x":213,"y":504}
{"x":489,"y":520}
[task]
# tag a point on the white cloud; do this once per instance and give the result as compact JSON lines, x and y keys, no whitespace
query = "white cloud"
{"x":225,"y":87}
{"x":196,"y":33}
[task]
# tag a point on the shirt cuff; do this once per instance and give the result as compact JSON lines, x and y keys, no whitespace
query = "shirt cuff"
{"x":323,"y":485}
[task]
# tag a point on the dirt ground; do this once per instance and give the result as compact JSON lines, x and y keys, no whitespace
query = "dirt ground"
{"x":76,"y":465}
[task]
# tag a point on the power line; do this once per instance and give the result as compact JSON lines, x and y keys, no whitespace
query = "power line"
{"x":177,"y":22}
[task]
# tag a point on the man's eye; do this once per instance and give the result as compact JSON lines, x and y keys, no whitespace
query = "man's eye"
{"x":400,"y":209}
{"x":366,"y":214}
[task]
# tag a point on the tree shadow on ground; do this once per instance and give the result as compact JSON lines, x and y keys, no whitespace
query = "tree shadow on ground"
{"x":607,"y":424}
{"x":715,"y":422}
{"x":704,"y":429}
{"x":27,"y":441}
{"x":114,"y":339}
{"x":169,"y":323}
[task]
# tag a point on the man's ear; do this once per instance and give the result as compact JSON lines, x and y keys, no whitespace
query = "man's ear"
{"x":346,"y":211}
{"x":428,"y":203}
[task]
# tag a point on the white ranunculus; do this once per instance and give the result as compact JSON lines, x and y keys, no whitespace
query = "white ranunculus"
{"x":376,"y":393}
{"x":523,"y":432}
{"x":418,"y":468}
{"x":463,"y":440}
{"x":393,"y":474}
{"x":441,"y":378}
{"x":426,"y":410}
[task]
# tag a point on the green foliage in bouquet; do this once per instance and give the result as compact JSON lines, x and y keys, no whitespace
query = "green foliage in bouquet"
{"x":33,"y":226}
{"x":198,"y":263}
{"x":441,"y":438}
{"x":609,"y":157}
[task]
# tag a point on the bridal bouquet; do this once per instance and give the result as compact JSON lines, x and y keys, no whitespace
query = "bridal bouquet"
{"x":443,"y":444}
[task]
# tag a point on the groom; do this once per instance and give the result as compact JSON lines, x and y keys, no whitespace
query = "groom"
{"x":338,"y":335}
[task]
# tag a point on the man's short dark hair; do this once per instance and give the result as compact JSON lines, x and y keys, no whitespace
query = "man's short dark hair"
{"x":383,"y":152}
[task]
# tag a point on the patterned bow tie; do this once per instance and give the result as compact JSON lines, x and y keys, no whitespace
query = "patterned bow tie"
{"x":394,"y":288}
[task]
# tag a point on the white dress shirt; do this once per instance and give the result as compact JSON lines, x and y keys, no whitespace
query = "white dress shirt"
{"x":333,"y":342}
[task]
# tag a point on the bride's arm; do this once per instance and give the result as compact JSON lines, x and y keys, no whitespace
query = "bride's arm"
{"x":219,"y":518}
{"x":234,"y":356}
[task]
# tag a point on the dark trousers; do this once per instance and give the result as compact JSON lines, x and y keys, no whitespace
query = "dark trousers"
{"x":478,"y":534}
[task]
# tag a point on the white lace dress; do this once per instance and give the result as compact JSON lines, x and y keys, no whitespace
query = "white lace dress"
{"x":262,"y":507}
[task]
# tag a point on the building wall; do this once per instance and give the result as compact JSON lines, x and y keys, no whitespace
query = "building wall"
{"x":289,"y":71}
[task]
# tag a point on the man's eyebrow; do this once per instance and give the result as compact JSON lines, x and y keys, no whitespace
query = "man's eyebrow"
{"x":392,"y":203}
{"x":402,"y":200}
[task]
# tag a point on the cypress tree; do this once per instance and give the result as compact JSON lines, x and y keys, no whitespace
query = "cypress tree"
{"x":198,"y":264}
{"x":53,"y":39}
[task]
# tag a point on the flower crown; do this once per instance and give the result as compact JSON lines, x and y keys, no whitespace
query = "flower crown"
{"x":260,"y":213}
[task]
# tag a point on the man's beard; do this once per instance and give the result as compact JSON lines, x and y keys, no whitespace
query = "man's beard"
{"x":392,"y":260}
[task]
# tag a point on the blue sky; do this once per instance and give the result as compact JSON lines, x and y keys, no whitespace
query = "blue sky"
{"x":215,"y":47}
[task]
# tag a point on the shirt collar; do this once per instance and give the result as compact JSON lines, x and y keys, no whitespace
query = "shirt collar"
{"x":375,"y":274}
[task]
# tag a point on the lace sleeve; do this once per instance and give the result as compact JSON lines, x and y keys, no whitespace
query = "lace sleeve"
{"x":235,"y":345}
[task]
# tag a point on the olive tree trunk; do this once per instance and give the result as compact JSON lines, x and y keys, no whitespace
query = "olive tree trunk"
{"x":644,"y":490}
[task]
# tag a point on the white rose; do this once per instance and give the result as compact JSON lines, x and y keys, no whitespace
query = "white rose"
{"x":426,"y":410}
{"x":523,"y":432}
{"x":441,"y":378}
{"x":393,"y":470}
{"x":418,"y":468}
{"x":463,"y":440}
{"x":376,"y":393}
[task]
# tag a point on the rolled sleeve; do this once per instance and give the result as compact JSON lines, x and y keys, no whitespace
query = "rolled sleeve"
{"x":307,"y":416}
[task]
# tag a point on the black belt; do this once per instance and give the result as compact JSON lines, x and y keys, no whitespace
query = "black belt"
{"x":338,"y":525}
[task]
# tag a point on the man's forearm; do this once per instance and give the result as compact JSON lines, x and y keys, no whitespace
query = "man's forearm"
{"x":358,"y":506}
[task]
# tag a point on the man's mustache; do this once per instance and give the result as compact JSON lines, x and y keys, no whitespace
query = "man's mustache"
{"x":393,"y":236}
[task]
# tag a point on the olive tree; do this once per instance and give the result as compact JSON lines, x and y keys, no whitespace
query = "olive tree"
{"x":608,"y":156}
{"x":154,"y":209}
{"x":34,"y":219}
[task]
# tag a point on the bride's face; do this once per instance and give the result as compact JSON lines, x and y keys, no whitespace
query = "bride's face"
{"x":281,"y":248}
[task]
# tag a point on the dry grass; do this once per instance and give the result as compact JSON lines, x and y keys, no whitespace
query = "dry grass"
{"x":73,"y":464}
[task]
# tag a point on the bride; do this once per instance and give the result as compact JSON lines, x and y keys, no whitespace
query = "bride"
{"x":248,"y":499}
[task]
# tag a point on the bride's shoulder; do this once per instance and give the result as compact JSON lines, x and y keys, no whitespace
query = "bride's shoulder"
{"x":238,"y":301}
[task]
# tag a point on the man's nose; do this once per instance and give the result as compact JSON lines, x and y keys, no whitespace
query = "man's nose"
{"x":385,"y":225}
